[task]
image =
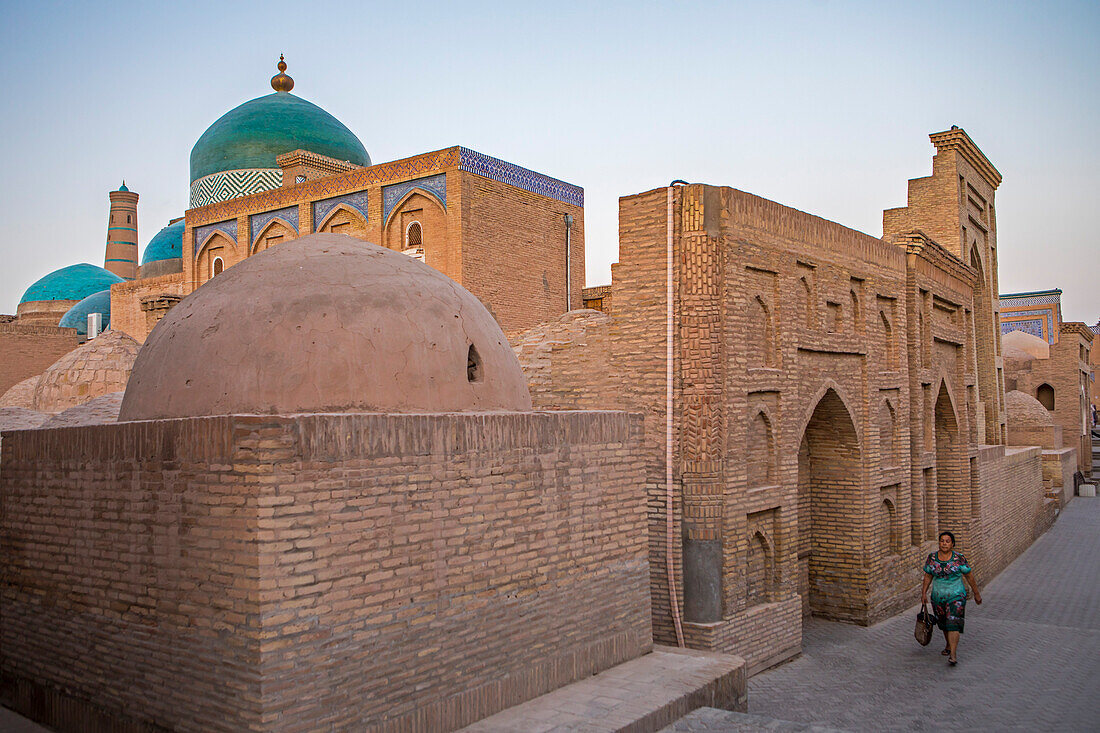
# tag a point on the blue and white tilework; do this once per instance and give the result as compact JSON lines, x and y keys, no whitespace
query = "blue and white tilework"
{"x":1014,"y":301}
{"x":435,"y":186}
{"x":233,"y":184}
{"x":356,"y":201}
{"x":257,"y":222}
{"x":1046,"y":314}
{"x":1032,"y":326}
{"x":228,"y":228}
{"x":505,"y":172}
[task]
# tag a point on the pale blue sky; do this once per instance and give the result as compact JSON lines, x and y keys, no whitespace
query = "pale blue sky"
{"x":824,"y":106}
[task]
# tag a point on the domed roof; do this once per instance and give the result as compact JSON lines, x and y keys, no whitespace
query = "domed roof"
{"x":21,"y":394}
{"x":1033,"y":345}
{"x":251,"y":135}
{"x":99,"y":411}
{"x":75,"y":282}
{"x":77,"y":316}
{"x":325,"y":323}
{"x":99,"y":367}
{"x":166,"y":245}
{"x":1023,"y":410}
{"x":18,"y":418}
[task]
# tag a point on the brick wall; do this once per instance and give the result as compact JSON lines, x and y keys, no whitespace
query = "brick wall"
{"x":1014,"y":510}
{"x":26,"y":350}
{"x":513,"y":252}
{"x":126,"y":313}
{"x":333,"y":571}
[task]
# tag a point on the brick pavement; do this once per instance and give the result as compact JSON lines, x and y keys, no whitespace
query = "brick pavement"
{"x":1029,"y":660}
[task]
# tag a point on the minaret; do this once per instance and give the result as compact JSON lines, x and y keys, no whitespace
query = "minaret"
{"x":122,"y":234}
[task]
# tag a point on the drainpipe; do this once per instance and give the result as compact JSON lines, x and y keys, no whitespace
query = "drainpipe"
{"x":568,"y":262}
{"x":669,"y":536}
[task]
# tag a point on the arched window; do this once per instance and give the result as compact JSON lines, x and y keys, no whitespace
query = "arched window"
{"x":414,"y":236}
{"x":216,"y":267}
{"x":129,"y":220}
{"x":1045,"y":395}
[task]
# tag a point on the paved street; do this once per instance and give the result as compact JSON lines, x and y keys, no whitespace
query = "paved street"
{"x":1029,"y":660}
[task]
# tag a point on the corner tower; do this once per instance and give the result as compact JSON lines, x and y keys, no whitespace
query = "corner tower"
{"x":121,"y":257}
{"x":954,"y":207}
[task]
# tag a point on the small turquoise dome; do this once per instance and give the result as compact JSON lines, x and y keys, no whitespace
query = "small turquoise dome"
{"x":166,"y":245}
{"x":74,"y":282}
{"x":77,"y":316}
{"x":251,"y":135}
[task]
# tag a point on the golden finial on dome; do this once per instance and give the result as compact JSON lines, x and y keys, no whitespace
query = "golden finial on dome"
{"x":281,"y":82}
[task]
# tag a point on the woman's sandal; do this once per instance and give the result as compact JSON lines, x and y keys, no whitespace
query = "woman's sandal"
{"x":952,"y":661}
{"x":946,"y":652}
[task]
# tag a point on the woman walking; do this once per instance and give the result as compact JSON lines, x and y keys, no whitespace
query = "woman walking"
{"x":946,"y":571}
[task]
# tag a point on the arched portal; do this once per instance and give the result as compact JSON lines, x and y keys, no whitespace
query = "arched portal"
{"x":985,"y":344}
{"x":830,"y":531}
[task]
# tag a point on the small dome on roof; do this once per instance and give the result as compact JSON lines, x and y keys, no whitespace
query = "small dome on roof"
{"x":75,"y":282}
{"x":77,"y":316}
{"x":325,"y":323}
{"x":1023,"y":410}
{"x":1033,"y":345}
{"x":99,"y":367}
{"x":166,"y":245}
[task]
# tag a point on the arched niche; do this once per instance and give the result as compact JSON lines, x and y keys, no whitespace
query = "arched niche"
{"x":759,"y":571}
{"x":421,"y":208}
{"x":830,"y":469}
{"x":344,"y":220}
{"x":1045,"y":394}
{"x":762,"y":342}
{"x":760,"y":451}
{"x":276,"y":232}
{"x":217,"y":247}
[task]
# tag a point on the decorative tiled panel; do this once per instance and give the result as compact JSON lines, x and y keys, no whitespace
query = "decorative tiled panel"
{"x":505,"y":172}
{"x":356,"y":201}
{"x":1047,"y":314}
{"x":334,"y":185}
{"x":1095,"y":329}
{"x":1033,"y":326}
{"x":257,"y":222}
{"x":1020,"y":301}
{"x":435,"y":186}
{"x":228,"y":228}
{"x":234,"y":184}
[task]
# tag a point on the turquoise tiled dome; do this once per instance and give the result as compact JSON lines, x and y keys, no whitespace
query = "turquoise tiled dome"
{"x":166,"y":245}
{"x":77,"y":316}
{"x":74,"y":282}
{"x":251,"y":135}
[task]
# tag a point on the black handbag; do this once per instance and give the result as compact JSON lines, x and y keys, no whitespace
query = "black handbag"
{"x":925,"y":623}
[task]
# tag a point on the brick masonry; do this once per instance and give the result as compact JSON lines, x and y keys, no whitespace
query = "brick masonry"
{"x":28,"y":349}
{"x":331,"y":571}
{"x":837,"y":400}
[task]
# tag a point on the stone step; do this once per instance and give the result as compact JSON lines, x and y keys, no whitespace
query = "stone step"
{"x":641,"y":695}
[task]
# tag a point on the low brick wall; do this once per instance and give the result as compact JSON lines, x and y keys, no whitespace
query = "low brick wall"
{"x":323,"y":572}
{"x":27,"y":350}
{"x":1058,"y":469}
{"x":1014,"y":510}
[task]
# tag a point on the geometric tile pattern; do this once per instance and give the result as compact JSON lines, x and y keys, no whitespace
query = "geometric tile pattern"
{"x":1013,"y":301}
{"x":228,"y":228}
{"x":1047,"y":314}
{"x":257,"y":222}
{"x":434,"y":186}
{"x":234,"y":184}
{"x":1033,"y":326}
{"x":334,"y":185}
{"x":276,"y":196}
{"x":514,"y":175}
{"x":356,"y":200}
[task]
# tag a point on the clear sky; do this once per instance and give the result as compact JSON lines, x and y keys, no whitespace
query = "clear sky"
{"x":824,"y":106}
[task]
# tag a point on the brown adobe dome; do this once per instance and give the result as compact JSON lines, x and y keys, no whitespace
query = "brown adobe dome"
{"x":325,"y":323}
{"x":99,"y":411}
{"x":21,"y":394}
{"x":1024,"y":411}
{"x":96,"y":368}
{"x":1033,"y":345}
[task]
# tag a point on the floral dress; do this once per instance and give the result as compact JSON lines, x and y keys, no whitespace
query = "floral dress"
{"x":948,"y":591}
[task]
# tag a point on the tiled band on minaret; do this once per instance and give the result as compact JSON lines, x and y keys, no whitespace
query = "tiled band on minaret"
{"x":121,"y":257}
